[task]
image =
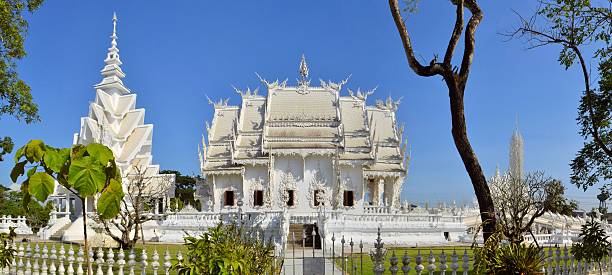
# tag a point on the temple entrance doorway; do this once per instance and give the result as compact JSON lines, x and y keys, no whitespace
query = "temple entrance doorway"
{"x":296,"y":235}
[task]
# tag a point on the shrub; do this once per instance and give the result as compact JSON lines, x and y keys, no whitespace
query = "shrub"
{"x":226,"y":249}
{"x":497,"y":256}
{"x":6,"y":250}
{"x":594,"y":245}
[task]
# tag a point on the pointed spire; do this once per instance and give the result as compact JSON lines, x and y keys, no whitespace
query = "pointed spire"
{"x":516,"y":153}
{"x":112,"y":72}
{"x":303,"y":68}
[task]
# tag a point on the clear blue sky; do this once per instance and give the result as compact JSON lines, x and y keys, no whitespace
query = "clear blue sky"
{"x":175,"y":52}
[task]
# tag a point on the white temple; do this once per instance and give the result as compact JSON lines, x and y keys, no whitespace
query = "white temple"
{"x":299,"y":147}
{"x":114,"y":121}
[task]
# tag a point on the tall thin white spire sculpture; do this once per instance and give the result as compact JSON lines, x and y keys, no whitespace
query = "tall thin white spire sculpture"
{"x":516,"y":153}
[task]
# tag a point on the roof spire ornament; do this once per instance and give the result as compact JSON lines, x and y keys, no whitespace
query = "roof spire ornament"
{"x":303,"y":82}
{"x":112,"y":72}
{"x":303,"y":68}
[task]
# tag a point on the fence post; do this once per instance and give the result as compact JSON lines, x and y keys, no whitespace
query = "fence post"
{"x":406,"y":263}
{"x":167,"y":263}
{"x":361,"y":256}
{"x":431,"y":259}
{"x":110,"y":261}
{"x":132,"y":261}
{"x":14,"y":262}
{"x":443,"y":265}
{"x":20,"y":264}
{"x":454,"y":262}
{"x":342,"y":241}
{"x":393,"y":261}
{"x":378,"y":255}
{"x":28,"y":256}
{"x":466,"y":262}
{"x":558,"y":260}
{"x":565,"y":259}
{"x":155,"y":263}
{"x":419,"y":262}
{"x":144,"y":263}
{"x":80,"y":260}
{"x":35,"y":256}
{"x":333,"y":239}
{"x":45,"y":256}
{"x":352,"y":262}
{"x":52,"y":259}
{"x":71,"y":260}
{"x":120,"y":261}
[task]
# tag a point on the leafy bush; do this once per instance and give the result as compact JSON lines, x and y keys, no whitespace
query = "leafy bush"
{"x":226,"y":249}
{"x":497,"y":256}
{"x":6,"y":250}
{"x":594,"y":245}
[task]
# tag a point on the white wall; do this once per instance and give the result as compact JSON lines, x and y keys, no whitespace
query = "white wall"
{"x":283,"y":165}
{"x":224,"y":183}
{"x":254,"y":175}
{"x":353,"y":179}
{"x":322,"y":165}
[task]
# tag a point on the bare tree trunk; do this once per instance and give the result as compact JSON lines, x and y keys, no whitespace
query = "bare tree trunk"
{"x":85,"y":244}
{"x":456,"y":82}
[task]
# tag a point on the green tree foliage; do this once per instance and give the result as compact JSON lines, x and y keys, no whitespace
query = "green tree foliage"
{"x":594,"y":244}
{"x":84,"y":170}
{"x":592,"y":164}
{"x":184,"y":190}
{"x":226,"y":249}
{"x":15,"y":97}
{"x":557,"y":202}
{"x":579,"y":26}
{"x":37,"y":215}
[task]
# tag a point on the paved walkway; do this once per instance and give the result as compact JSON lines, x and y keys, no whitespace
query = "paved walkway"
{"x":295,"y":265}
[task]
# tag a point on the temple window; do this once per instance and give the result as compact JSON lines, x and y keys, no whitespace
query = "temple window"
{"x":349,"y":198}
{"x":290,"y":198}
{"x":228,"y":198}
{"x":317,"y":196}
{"x":258,"y":198}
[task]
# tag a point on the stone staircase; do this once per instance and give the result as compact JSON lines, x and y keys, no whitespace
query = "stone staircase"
{"x":57,"y":235}
{"x":297,"y":230}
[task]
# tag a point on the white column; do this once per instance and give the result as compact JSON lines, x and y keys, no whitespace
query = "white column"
{"x":380,"y":191}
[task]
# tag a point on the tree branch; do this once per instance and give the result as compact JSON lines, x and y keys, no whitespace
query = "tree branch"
{"x":448,"y":56}
{"x":434,"y":68}
{"x":468,"y":50}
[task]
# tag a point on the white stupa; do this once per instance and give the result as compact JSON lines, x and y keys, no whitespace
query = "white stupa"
{"x":114,"y":121}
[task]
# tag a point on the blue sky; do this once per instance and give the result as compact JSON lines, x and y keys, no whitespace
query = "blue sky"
{"x":176,"y":52}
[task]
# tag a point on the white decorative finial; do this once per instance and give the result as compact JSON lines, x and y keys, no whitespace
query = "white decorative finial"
{"x":114,"y":24}
{"x":303,"y":68}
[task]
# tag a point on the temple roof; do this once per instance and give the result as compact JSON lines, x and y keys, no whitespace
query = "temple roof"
{"x":303,"y":119}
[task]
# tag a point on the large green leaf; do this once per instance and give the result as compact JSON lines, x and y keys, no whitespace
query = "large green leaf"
{"x":54,"y":159}
{"x":19,"y":153}
{"x":18,"y":170}
{"x":34,"y":150}
{"x":41,"y":186}
{"x":77,"y":151}
{"x":109,"y":202}
{"x":100,"y":152}
{"x":86,"y":176}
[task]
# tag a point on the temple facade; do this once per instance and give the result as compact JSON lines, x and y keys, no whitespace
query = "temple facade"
{"x":300,"y":148}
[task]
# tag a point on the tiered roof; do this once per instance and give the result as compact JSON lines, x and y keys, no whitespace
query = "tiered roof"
{"x":304,"y":120}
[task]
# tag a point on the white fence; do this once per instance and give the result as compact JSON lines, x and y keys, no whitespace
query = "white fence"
{"x":346,"y":256}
